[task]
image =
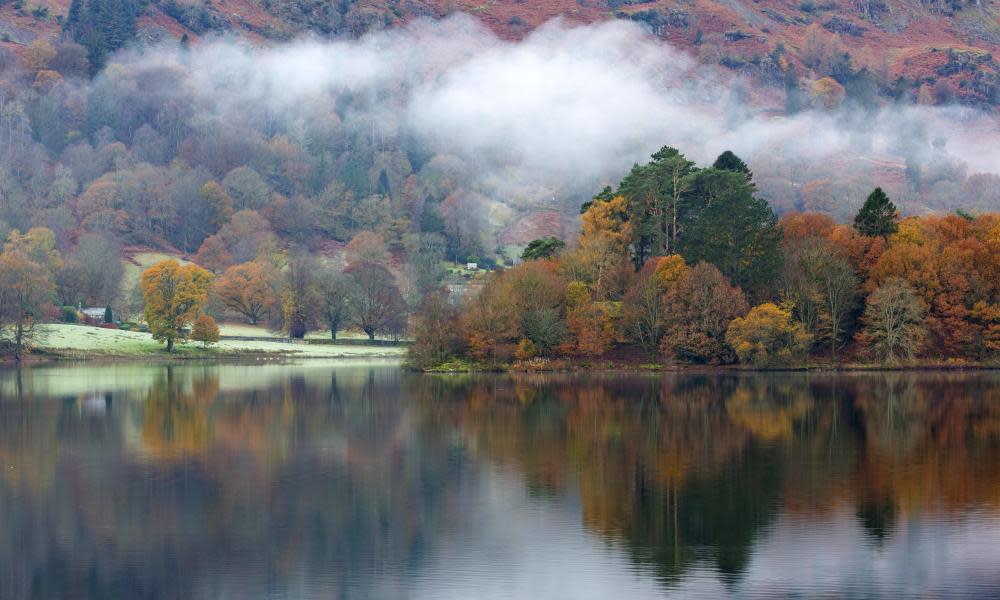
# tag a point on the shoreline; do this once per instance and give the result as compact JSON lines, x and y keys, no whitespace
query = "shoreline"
{"x":929,"y":366}
{"x":62,"y":356}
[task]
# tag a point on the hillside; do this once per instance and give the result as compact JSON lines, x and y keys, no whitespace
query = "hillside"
{"x":932,"y":51}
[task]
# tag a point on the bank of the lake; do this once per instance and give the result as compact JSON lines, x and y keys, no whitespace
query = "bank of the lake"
{"x":58,"y":341}
{"x":562,"y":365}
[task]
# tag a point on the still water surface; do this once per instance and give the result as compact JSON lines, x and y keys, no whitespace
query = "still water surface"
{"x":341,"y":480}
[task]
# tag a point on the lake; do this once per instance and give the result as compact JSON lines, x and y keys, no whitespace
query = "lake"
{"x":359,"y":480}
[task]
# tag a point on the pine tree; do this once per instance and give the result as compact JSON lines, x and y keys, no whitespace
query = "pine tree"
{"x":877,"y":218}
{"x":728,"y":161}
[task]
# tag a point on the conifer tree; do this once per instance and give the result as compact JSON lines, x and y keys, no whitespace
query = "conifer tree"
{"x":877,"y":218}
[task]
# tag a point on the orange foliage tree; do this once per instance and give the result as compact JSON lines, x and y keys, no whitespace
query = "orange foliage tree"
{"x":248,"y":289}
{"x":205,"y":330}
{"x":952,"y":264}
{"x":698,"y":310}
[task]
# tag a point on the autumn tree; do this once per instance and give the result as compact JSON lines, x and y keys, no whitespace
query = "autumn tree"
{"x":25,"y":288}
{"x":768,"y":336}
{"x":301,"y":301}
{"x":437,"y":336}
{"x":218,"y":204}
{"x":797,"y":226}
{"x":367,"y":246}
{"x":642,"y":309}
{"x":697,"y":311}
{"x":827,"y":93}
{"x":38,"y":245}
{"x":240,"y":240}
{"x":375,"y":301}
{"x":603,"y":249}
{"x":591,"y":325}
{"x":877,"y":217}
{"x":174,"y":295}
{"x":205,"y":330}
{"x":490,"y":320}
{"x":537,"y":291}
{"x":821,"y":287}
{"x":92,"y":271}
{"x":248,"y":289}
{"x":893,"y":322}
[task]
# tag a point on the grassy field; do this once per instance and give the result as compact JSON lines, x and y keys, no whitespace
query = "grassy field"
{"x":247,"y":330}
{"x":78,"y":341}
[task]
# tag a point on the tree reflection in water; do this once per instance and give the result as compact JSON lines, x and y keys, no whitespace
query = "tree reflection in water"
{"x":317,"y":480}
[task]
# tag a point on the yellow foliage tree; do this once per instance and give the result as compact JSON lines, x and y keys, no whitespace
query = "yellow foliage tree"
{"x":669,"y":269}
{"x":610,"y":219}
{"x":173,"y":295}
{"x":768,"y":336}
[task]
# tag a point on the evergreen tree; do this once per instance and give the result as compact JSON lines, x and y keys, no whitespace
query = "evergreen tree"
{"x":543,"y":248}
{"x":384,"y":188}
{"x":728,"y":161}
{"x":102,"y":26}
{"x":655,"y":193}
{"x":109,"y":316}
{"x":793,"y":96}
{"x":877,"y":217}
{"x":731,"y":228}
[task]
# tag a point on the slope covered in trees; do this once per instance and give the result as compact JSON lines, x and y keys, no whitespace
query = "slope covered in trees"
{"x":929,"y":51}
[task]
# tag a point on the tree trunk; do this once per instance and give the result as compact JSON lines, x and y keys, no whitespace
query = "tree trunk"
{"x":371,"y":334}
{"x":170,"y":344}
{"x":18,"y":341}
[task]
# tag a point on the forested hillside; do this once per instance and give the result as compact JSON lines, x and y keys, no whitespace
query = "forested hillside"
{"x":931,"y":51}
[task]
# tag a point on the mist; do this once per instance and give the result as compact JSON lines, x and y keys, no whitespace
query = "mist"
{"x":546,"y":122}
{"x":565,"y":109}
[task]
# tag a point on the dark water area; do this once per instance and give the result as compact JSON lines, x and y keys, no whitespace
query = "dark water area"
{"x":359,"y":480}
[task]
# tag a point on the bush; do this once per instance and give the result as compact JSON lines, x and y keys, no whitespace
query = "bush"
{"x":205,"y":330}
{"x":768,"y":337}
{"x":69,"y":315}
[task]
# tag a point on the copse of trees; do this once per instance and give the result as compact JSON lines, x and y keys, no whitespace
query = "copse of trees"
{"x":726,"y":282}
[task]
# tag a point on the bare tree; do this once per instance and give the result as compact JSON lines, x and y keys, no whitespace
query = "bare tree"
{"x":893,"y":322}
{"x":375,"y":303}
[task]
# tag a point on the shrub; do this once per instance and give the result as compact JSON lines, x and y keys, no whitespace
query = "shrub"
{"x":205,"y":330}
{"x":69,"y":315}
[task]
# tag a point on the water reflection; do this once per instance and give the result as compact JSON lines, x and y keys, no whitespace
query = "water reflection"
{"x":321,"y":480}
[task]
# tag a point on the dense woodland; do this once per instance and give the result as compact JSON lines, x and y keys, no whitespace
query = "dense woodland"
{"x":688,"y":265}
